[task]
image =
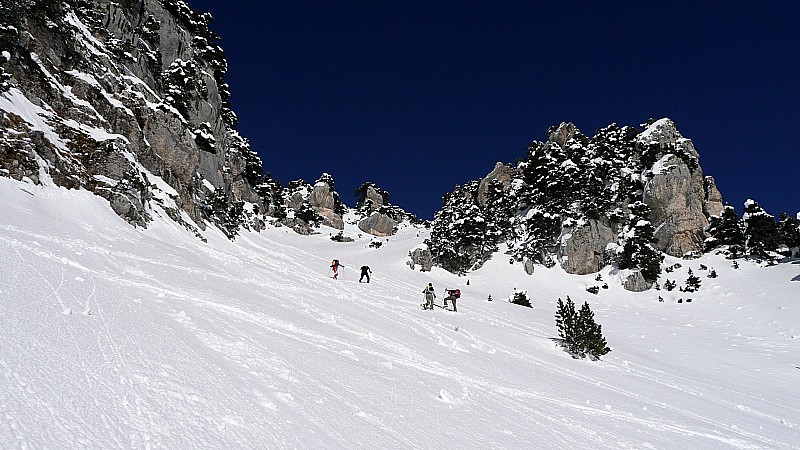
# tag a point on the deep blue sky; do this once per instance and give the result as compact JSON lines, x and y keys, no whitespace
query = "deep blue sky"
{"x":419,"y":96}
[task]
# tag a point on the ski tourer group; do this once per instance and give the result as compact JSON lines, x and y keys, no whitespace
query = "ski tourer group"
{"x":429,"y":292}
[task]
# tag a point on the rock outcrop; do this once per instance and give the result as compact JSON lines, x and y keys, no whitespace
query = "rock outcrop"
{"x":420,"y":256}
{"x":322,"y":199}
{"x":378,"y":216}
{"x":378,"y":224}
{"x":635,"y":282}
{"x":126,"y":99}
{"x":584,"y":251}
{"x":713,"y":205}
{"x":676,"y":192}
{"x":624,"y":197}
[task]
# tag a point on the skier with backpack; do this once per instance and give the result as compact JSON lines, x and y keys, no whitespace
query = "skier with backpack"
{"x":335,"y":267}
{"x":430,"y":294}
{"x":452,"y":295}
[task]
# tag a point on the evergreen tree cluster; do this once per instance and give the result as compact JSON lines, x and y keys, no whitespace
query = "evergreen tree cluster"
{"x":462,"y":236}
{"x":755,"y":235}
{"x":580,"y":335}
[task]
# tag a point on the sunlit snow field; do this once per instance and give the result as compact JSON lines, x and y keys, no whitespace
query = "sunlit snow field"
{"x":112,"y":336}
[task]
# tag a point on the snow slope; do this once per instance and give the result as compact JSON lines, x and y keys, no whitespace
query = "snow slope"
{"x":113,"y":337}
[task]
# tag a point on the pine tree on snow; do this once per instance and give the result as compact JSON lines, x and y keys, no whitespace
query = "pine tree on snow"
{"x":580,"y":334}
{"x":692,"y":282}
{"x":459,"y":238}
{"x":789,"y":232}
{"x":760,"y":230}
{"x":590,"y":335}
{"x":725,"y":229}
{"x":566,"y":323}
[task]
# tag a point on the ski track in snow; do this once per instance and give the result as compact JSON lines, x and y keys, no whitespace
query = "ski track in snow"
{"x":118,"y":337}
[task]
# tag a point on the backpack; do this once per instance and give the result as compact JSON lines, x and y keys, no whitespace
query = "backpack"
{"x":454,"y":292}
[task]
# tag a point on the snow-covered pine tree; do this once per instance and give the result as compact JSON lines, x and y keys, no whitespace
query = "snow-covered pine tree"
{"x":789,"y":232}
{"x":726,"y":230}
{"x":760,"y":230}
{"x":461,"y":239}
{"x":499,"y":211}
{"x":272,"y":196}
{"x":637,"y":239}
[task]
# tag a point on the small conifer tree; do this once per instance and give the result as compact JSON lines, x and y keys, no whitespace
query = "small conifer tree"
{"x":566,"y":322}
{"x":591,"y":340}
{"x":581,"y":335}
{"x":692,"y":283}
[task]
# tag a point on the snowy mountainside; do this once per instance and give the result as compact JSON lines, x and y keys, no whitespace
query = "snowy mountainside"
{"x":114,"y":336}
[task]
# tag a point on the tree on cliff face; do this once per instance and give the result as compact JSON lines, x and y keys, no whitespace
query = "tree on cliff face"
{"x":637,"y":250}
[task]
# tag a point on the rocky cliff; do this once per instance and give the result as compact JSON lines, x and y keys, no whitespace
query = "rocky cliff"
{"x":622,"y":197}
{"x":126,"y":99}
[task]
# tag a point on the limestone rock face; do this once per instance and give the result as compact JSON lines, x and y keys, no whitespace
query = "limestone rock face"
{"x":563,"y":133}
{"x":676,"y":199}
{"x":422,"y":257}
{"x":377,"y":224}
{"x":121,"y":93}
{"x":501,"y":172}
{"x":376,"y":199}
{"x":713,"y":205}
{"x":323,"y":202}
{"x":584,"y":251}
{"x":676,"y":192}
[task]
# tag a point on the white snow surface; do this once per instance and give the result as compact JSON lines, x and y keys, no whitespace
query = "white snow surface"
{"x":116,"y":337}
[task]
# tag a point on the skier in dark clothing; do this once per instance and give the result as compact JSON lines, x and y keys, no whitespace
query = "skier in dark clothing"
{"x":365,"y":271}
